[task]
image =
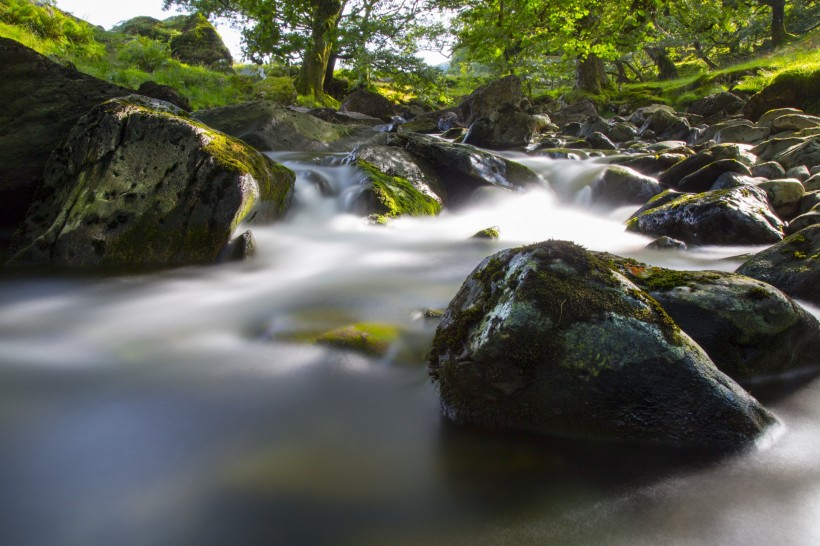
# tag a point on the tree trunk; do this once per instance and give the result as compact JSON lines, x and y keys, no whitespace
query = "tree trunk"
{"x":590,"y":74}
{"x":327,"y":85}
{"x":779,"y":33}
{"x":666,"y":68}
{"x":700,"y":54}
{"x":324,"y":21}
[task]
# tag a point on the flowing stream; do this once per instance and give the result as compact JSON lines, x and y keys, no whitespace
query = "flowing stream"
{"x":180,"y":407}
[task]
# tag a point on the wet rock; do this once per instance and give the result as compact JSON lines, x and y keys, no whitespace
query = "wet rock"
{"x":425,"y":124}
{"x":769,"y":169}
{"x":599,"y":141}
{"x":269,"y":126}
{"x":166,"y":93}
{"x":667,"y":243}
{"x":623,"y":132}
{"x":651,"y":164}
{"x":370,"y":104}
{"x":666,"y":126}
{"x":387,"y":196}
{"x":42,"y":100}
{"x":736,"y":216}
{"x":723,"y":103}
{"x":813,"y":183}
{"x":672,"y":176}
{"x":447,"y":121}
{"x":371,"y":339}
{"x":793,"y":265}
{"x":640,"y":115}
{"x":136,"y":185}
{"x":395,"y":161}
{"x":784,"y":196}
{"x":803,"y":221}
{"x":806,"y":152}
{"x":593,"y":125}
{"x":703,"y":179}
{"x":461,"y":168}
{"x":810,"y":200}
{"x":794,"y":122}
{"x":744,"y":134}
{"x":200,"y":44}
{"x":734,"y":180}
{"x":500,"y":95}
{"x":623,"y":186}
{"x":502,"y":131}
{"x":490,"y":233}
{"x":344,"y":118}
{"x":548,"y":338}
{"x":241,"y":248}
{"x":801,"y":173}
{"x":578,"y":112}
{"x":748,"y":328}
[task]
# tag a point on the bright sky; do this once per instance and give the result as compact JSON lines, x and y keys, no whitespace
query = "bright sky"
{"x":108,"y":13}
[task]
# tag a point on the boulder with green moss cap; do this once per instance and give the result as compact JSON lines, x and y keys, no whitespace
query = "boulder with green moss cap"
{"x":734,"y":216}
{"x":550,"y":338}
{"x":385,"y":196}
{"x":200,"y":44}
{"x":792,"y":265}
{"x":749,"y":329}
{"x":138,"y":185}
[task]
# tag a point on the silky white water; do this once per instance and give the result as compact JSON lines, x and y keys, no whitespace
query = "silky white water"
{"x":179,"y":407}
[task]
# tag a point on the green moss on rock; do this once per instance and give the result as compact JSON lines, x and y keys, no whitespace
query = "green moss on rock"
{"x":372,"y":339}
{"x":391,"y":196}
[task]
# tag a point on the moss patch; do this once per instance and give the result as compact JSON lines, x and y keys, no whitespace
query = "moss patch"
{"x":372,"y":339}
{"x":393,"y":196}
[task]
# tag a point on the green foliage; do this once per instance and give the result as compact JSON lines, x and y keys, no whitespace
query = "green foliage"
{"x":143,"y":53}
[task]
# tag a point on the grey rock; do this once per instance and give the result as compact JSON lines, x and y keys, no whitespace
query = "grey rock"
{"x":667,"y":126}
{"x":549,"y":338}
{"x":769,"y":169}
{"x":502,"y":130}
{"x":705,"y":177}
{"x":136,"y":185}
{"x":813,"y":183}
{"x":794,"y":122}
{"x":749,"y":329}
{"x":369,"y":103}
{"x":503,"y":94}
{"x":667,"y":243}
{"x":599,"y":141}
{"x":622,"y":186}
{"x":672,"y":176}
{"x":742,"y":134}
{"x":736,"y":216}
{"x":792,"y":265}
{"x":768,"y":118}
{"x":803,"y":221}
{"x":800,"y":172}
{"x":723,"y":103}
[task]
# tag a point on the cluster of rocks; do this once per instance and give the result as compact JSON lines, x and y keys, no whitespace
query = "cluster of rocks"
{"x":548,"y":337}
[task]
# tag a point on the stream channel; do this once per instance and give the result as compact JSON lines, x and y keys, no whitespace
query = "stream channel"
{"x":179,"y":407}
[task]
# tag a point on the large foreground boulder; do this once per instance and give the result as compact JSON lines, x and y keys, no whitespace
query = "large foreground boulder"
{"x":550,"y":338}
{"x":793,"y":265}
{"x":734,"y":216}
{"x":136,"y":185}
{"x":42,"y":101}
{"x":269,"y":126}
{"x":749,"y":329}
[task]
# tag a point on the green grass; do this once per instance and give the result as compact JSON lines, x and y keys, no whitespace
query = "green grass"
{"x":130,"y":60}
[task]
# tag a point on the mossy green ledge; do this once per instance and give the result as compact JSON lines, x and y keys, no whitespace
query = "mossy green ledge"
{"x":138,"y":185}
{"x":384,"y":196}
{"x":551,"y":338}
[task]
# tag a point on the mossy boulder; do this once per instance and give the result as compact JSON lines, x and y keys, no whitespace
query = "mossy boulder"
{"x":489,"y":234}
{"x":734,"y":216}
{"x":550,"y":338}
{"x":385,"y":196}
{"x":266,"y":125}
{"x":138,"y":185}
{"x":749,"y":329}
{"x":717,"y":105}
{"x":200,"y":44}
{"x":42,"y":100}
{"x":796,"y":88}
{"x":147,"y":27}
{"x":396,"y":161}
{"x":792,"y":265}
{"x":462,"y":168}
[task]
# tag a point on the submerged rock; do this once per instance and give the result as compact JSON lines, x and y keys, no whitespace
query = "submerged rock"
{"x":136,"y":185}
{"x":734,"y":216}
{"x":749,"y":329}
{"x":793,"y":265}
{"x":549,"y":338}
